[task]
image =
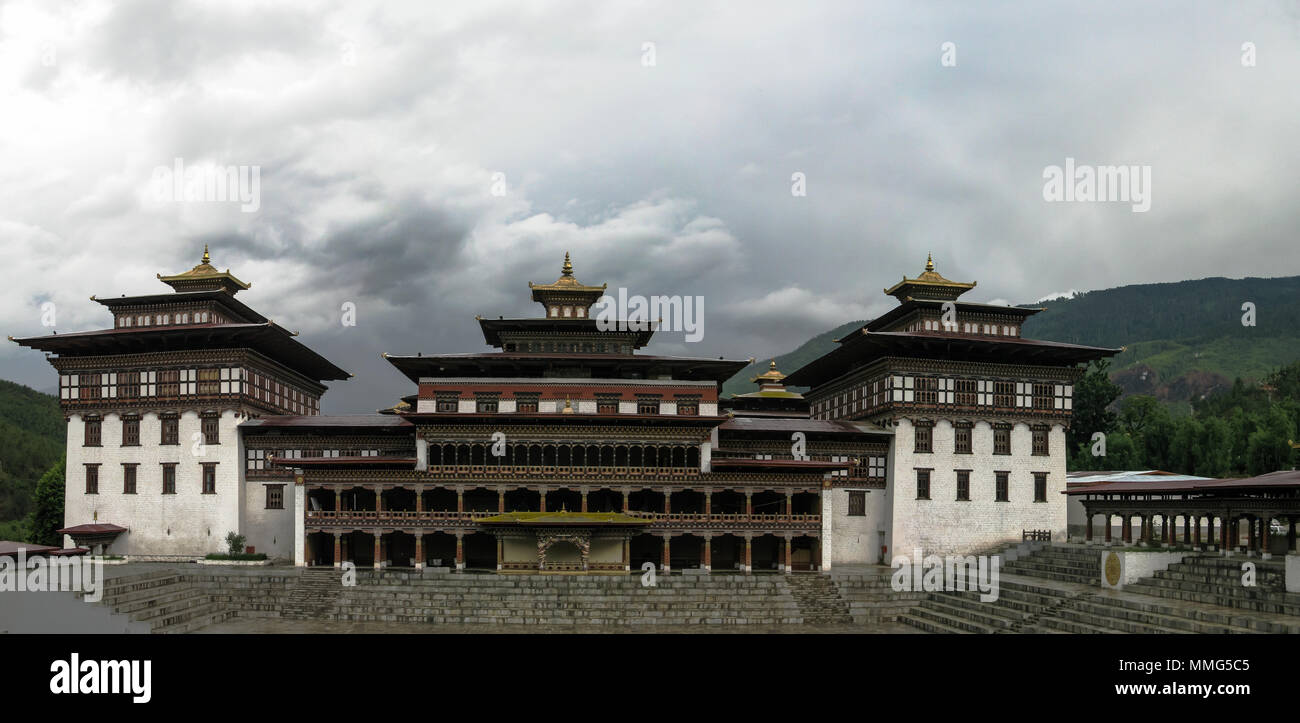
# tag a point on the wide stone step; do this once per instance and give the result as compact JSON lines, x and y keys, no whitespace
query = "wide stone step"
{"x":116,"y":587}
{"x":1055,"y":624}
{"x":1011,"y":610}
{"x":196,"y":612}
{"x":943,"y":622}
{"x":171,"y":609}
{"x":1172,"y":622}
{"x":164,"y":596}
{"x":1255,"y":604}
{"x":957,"y":612}
{"x":195,"y":623}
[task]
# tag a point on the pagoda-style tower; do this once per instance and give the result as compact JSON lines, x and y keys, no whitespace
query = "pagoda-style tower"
{"x":564,"y":449}
{"x":153,"y":406}
{"x":978,"y":414}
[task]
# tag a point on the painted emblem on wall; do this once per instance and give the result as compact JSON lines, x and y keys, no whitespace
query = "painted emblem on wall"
{"x":1112,"y":569}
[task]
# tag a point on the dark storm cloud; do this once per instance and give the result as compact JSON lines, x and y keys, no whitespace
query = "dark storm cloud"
{"x":380,"y":130}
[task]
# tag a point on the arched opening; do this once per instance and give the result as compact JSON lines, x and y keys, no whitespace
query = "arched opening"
{"x":645,"y":501}
{"x":480,"y":551}
{"x":440,"y":500}
{"x":320,"y":549}
{"x":687,"y":552}
{"x":563,"y":499}
{"x":645,"y":548}
{"x":440,"y":549}
{"x":766,"y":552}
{"x":359,"y":548}
{"x":320,"y":499}
{"x":768,"y":502}
{"x":481,"y":499}
{"x":688,"y":502}
{"x":399,"y":549}
{"x":399,"y":499}
{"x":562,"y":555}
{"x":806,"y":503}
{"x":523,"y":500}
{"x":803,"y":553}
{"x":359,"y":498}
{"x":604,"y":500}
{"x":727,"y":502}
{"x":727,"y":553}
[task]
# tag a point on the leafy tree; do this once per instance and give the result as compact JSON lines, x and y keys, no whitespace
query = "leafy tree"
{"x":1093,"y":395}
{"x":1268,"y":450}
{"x":47,"y":507}
{"x":1185,"y":449}
{"x":1216,"y":449}
{"x":235,"y":542}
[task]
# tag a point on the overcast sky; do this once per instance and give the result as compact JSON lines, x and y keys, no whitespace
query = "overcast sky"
{"x":665,"y":169}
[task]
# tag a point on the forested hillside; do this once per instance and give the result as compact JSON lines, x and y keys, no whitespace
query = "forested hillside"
{"x":31,"y":440}
{"x":1184,"y":340}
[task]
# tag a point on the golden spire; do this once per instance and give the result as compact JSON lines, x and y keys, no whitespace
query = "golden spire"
{"x":567,"y":269}
{"x":929,"y":262}
{"x":206,"y":258}
{"x":568,"y":407}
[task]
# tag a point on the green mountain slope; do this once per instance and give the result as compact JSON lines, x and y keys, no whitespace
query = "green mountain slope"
{"x":1183,"y":340}
{"x":788,"y":362}
{"x":33,"y":431}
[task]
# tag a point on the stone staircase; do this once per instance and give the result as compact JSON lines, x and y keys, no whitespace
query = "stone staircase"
{"x":406,"y":597}
{"x":315,"y":593}
{"x":818,"y":599}
{"x":1050,"y":591}
{"x":1020,"y":607}
{"x":164,"y":600}
{"x":1060,"y":562}
{"x":871,"y":598}
{"x":1217,"y":580}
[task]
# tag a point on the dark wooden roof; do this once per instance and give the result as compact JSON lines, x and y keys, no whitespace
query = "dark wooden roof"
{"x":808,"y":426}
{"x":603,"y":366}
{"x":492,"y":329}
{"x":240,"y":309}
{"x":865,"y":347}
{"x":267,"y":338}
{"x":911,"y":305}
{"x":1273,"y":481}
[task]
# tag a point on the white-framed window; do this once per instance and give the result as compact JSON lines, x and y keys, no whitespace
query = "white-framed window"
{"x":1024,"y":394}
{"x":984,"y":393}
{"x":902,"y":388}
{"x":876,"y":466}
{"x":1064,"y":396}
{"x":946,"y":387}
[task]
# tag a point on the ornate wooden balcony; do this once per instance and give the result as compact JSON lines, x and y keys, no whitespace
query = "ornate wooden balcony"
{"x":654,"y":520}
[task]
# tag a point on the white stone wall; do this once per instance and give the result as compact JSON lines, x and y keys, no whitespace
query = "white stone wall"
{"x":186,"y":523}
{"x":269,"y":531}
{"x":943,"y":525}
{"x":857,"y":540}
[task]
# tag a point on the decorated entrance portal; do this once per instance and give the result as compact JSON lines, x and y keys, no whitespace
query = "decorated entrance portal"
{"x":563,"y":541}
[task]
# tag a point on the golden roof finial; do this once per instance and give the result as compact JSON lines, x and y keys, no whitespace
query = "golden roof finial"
{"x":772,"y":366}
{"x":929,"y":262}
{"x":206,"y":258}
{"x":567,"y":269}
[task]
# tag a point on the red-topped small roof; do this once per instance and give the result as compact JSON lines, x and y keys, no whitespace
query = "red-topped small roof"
{"x":92,"y":529}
